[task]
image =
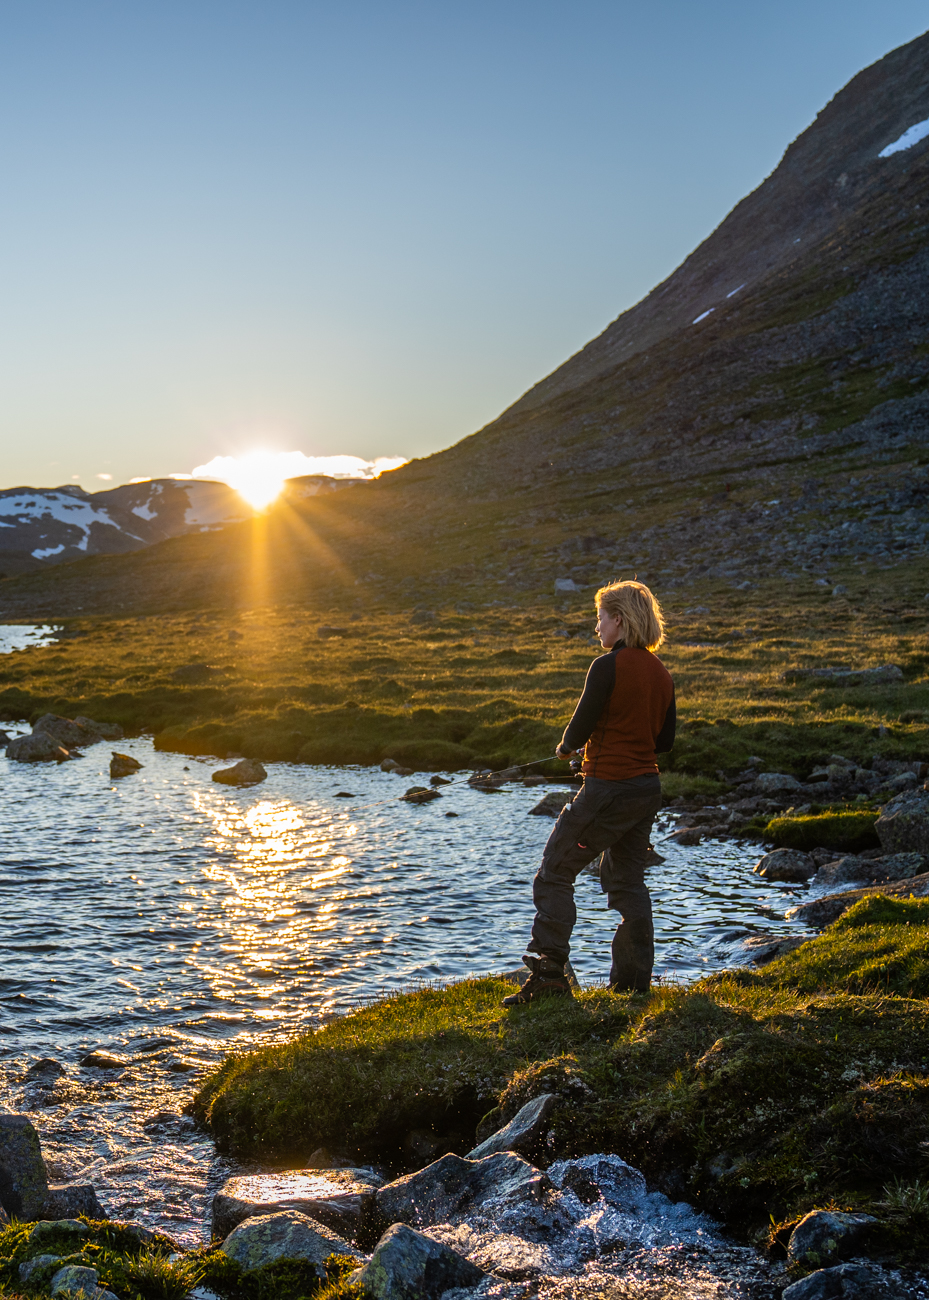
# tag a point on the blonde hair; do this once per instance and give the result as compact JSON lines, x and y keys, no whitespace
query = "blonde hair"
{"x":643,"y":624}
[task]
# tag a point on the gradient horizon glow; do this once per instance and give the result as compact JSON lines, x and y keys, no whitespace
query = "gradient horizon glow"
{"x":361,"y":229}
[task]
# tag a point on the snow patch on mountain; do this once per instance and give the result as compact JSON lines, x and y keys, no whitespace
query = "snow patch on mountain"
{"x":912,"y":135}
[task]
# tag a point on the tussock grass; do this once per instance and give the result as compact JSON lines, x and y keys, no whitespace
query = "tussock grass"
{"x":482,"y":687}
{"x":845,"y":830}
{"x":751,"y":1093}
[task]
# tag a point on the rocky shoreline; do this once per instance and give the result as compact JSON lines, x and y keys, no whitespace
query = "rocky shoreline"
{"x":502,"y":1223}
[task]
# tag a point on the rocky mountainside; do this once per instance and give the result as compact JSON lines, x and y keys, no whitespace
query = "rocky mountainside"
{"x":763,"y":415}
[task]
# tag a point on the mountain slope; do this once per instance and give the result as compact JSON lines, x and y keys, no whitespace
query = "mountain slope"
{"x":779,"y":437}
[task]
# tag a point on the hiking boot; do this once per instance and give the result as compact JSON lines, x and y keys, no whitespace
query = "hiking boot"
{"x":547,"y":980}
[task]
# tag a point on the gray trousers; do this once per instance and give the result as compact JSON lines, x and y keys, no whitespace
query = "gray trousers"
{"x":612,"y":819}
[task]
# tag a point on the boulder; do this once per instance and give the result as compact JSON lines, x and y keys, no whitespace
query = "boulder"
{"x":248,"y":772}
{"x":338,"y":1198}
{"x":565,"y":584}
{"x":37,"y":748}
{"x":75,"y":1280}
{"x":776,"y":783}
{"x":51,"y":1227}
{"x":29,"y":1266}
{"x":123,"y":765}
{"x":852,"y":869}
{"x":68,"y":733}
{"x":524,"y":1132}
{"x":389,"y":764}
{"x":46,"y":1068}
{"x":452,"y":1184}
{"x":407,"y":1265}
{"x":688,"y":835}
{"x":420,"y":794}
{"x":789,"y":865}
{"x":68,"y":1200}
{"x":844,"y":1282}
{"x":826,"y":1236}
{"x":287,"y":1235}
{"x":903,"y":826}
{"x":105,"y":730}
{"x":550,"y":805}
{"x":23,"y":1180}
{"x":820,"y":912}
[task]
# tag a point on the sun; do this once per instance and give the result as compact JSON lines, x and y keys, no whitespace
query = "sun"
{"x":258,"y":475}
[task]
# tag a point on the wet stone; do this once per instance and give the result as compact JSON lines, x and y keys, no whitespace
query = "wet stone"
{"x":338,"y":1198}
{"x":852,"y":869}
{"x":247,"y":772}
{"x":524,"y":1132}
{"x":452,"y":1185}
{"x":123,"y":765}
{"x":788,"y":865}
{"x":288,"y":1235}
{"x":23,"y":1180}
{"x":67,"y":1201}
{"x":38,"y":748}
{"x":103,"y":1060}
{"x":407,"y":1265}
{"x":824,"y":1236}
{"x":844,"y":1282}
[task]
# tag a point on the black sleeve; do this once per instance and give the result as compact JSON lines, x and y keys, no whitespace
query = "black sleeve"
{"x":601,"y":678}
{"x":665,"y":741}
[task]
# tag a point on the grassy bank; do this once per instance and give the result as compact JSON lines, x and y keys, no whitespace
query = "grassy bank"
{"x":756,"y":1095}
{"x":452,"y":687}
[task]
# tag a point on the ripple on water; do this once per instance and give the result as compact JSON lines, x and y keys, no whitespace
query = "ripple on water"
{"x":167,"y":907}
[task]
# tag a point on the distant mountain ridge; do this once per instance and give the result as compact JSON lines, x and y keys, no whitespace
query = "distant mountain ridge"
{"x":42,"y":526}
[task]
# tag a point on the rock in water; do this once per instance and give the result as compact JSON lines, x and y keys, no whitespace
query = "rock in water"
{"x":854,"y":870}
{"x":903,"y":826}
{"x":407,"y":1265}
{"x":23,"y":1180}
{"x":788,"y":865}
{"x":123,"y":765}
{"x":248,"y":772}
{"x":825,"y":1236}
{"x":845,"y":1282}
{"x":289,"y":1235}
{"x":524,"y":1132}
{"x":70,"y":734}
{"x":68,"y":1200}
{"x":105,"y":730}
{"x":550,"y":805}
{"x":451,"y":1184}
{"x":37,"y":748}
{"x":338,"y":1198}
{"x":420,"y":794}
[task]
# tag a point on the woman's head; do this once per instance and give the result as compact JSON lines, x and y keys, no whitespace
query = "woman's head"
{"x":643,"y":625}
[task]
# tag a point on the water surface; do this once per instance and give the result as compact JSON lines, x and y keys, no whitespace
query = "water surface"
{"x":169,"y":918}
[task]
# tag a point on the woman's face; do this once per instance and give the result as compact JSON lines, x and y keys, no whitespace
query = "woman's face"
{"x":609,"y":628}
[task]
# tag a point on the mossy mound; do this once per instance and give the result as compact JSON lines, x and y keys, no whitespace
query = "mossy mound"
{"x":847,"y":831}
{"x":752,"y":1094}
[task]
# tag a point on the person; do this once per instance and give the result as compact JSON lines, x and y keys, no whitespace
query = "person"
{"x":625,"y":717}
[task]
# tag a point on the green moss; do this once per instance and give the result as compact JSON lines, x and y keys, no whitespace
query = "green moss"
{"x":847,"y":830}
{"x":751,"y":1093}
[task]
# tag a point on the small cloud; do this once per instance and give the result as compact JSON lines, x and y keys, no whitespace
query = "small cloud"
{"x":140,"y":480}
{"x":293,"y":464}
{"x":184,"y":476}
{"x":108,"y":477}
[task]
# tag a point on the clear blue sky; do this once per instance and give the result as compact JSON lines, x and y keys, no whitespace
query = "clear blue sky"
{"x":361,"y":227}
